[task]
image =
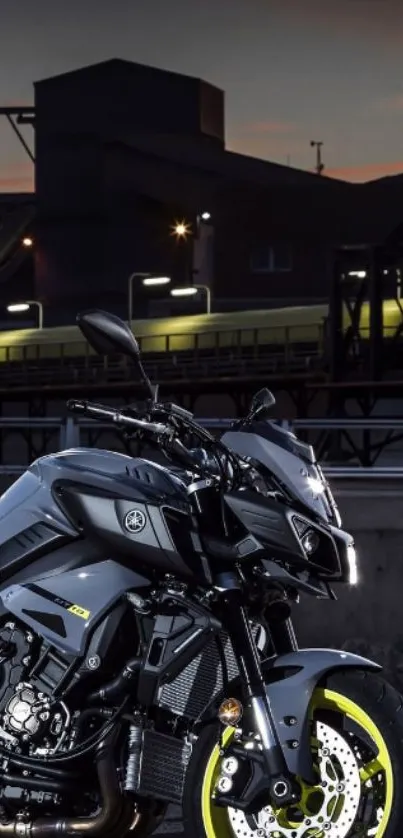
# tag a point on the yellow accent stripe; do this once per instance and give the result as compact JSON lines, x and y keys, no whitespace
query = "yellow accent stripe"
{"x":79,"y":612}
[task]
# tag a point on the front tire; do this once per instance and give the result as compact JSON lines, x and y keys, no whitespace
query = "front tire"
{"x":357,"y":743}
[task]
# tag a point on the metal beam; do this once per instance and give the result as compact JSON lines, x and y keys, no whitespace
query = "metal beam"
{"x":24,"y":116}
{"x":335,"y":321}
{"x":376,"y":342}
{"x":344,"y":423}
{"x":333,"y":472}
{"x":17,"y":111}
{"x":21,"y":138}
{"x":37,"y":432}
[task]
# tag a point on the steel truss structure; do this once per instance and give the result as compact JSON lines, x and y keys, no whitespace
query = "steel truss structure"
{"x":24,"y":439}
{"x":340,"y":439}
{"x":368,"y":349}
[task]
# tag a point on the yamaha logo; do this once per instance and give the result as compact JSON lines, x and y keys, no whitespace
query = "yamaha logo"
{"x":135,"y":521}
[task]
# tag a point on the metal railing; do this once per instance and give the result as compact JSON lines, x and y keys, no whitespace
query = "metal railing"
{"x":69,"y":435}
{"x":221,"y":362}
{"x":64,"y":343}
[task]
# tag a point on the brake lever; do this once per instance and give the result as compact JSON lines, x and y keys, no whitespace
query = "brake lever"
{"x":157,"y":428}
{"x":177,"y":410}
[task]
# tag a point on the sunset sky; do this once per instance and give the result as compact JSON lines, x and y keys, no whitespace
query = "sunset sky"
{"x":293,"y":70}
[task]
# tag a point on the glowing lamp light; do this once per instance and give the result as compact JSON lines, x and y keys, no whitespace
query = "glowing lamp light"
{"x":184,"y":292}
{"x":156,"y":280}
{"x":353,"y":564}
{"x":205,"y":216}
{"x":181,"y":229}
{"x":27,"y":241}
{"x":15,"y":307}
{"x":230,"y":712}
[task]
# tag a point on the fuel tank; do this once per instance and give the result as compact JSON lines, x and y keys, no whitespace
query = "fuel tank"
{"x":132,"y":508}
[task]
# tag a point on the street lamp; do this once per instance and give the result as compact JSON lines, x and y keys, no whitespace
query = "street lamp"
{"x":191,"y":290}
{"x":27,"y":241}
{"x":181,"y":229}
{"x":15,"y":308}
{"x":147,"y":279}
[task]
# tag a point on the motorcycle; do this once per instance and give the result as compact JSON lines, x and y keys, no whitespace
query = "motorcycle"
{"x":147,"y":650}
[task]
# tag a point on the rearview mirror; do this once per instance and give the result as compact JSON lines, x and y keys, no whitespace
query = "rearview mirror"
{"x":107,"y":334}
{"x":262,"y":402}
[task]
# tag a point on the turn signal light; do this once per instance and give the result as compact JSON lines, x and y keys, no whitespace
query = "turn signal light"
{"x":230,"y":712}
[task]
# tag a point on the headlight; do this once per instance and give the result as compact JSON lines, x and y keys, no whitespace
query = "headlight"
{"x":310,"y":542}
{"x":315,"y":485}
{"x":352,"y":564}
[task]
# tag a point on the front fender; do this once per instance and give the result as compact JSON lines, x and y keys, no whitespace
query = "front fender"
{"x":291,"y":695}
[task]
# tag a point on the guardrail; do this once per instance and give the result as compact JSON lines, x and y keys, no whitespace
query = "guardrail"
{"x":69,"y":435}
{"x":214,"y":423}
{"x":66,"y":343}
{"x":173,"y":367}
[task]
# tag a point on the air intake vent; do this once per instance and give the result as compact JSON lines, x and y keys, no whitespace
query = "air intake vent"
{"x":35,"y":540}
{"x":300,"y":525}
{"x":144,"y":476}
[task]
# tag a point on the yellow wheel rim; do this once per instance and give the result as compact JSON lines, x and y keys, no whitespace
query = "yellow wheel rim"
{"x":215,"y":819}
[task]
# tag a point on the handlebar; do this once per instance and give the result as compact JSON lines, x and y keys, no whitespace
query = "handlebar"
{"x":167,"y":434}
{"x":97,"y":411}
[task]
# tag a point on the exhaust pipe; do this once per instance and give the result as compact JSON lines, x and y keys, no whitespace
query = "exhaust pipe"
{"x":116,"y":817}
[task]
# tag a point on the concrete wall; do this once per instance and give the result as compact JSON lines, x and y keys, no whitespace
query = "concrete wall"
{"x":368,"y":618}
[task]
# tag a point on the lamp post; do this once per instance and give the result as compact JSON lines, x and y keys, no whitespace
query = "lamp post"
{"x":148,"y":279}
{"x":189,"y":291}
{"x":14,"y":308}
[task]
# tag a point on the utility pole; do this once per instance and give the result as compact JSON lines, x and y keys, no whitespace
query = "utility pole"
{"x":319,"y":164}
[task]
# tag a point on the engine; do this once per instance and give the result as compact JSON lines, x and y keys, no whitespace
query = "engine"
{"x":31,"y":722}
{"x":31,"y":717}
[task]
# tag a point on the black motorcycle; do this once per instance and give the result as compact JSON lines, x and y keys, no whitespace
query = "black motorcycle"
{"x":147,"y":651}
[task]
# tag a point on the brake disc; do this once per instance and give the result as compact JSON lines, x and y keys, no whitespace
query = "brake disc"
{"x":328,"y":809}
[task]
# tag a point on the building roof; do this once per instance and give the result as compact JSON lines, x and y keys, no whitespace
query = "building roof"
{"x":118,"y":67}
{"x":231,"y":166}
{"x":210,"y":156}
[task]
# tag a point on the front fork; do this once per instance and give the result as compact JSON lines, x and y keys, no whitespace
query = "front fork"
{"x":275,"y":776}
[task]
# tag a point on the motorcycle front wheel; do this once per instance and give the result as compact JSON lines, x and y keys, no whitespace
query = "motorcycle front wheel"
{"x":357,"y":748}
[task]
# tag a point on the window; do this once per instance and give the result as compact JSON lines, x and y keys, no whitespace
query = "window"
{"x":271,"y":259}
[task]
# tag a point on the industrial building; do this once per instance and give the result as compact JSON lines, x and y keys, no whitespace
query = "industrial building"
{"x":124,"y":152}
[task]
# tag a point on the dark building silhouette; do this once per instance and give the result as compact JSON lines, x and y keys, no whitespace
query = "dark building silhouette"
{"x":105,"y":201}
{"x":123,"y":151}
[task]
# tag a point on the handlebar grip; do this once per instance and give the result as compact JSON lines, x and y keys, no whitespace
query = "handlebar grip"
{"x":98,"y":411}
{"x":88,"y":409}
{"x":76,"y":406}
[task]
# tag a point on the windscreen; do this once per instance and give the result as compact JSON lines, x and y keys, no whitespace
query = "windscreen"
{"x":292,"y":462}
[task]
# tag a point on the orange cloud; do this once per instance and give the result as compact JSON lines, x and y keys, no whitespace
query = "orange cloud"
{"x":267,"y":139}
{"x":17,"y":103}
{"x":392,"y":103}
{"x":267,"y":127}
{"x":17,"y":178}
{"x":369,"y":171}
